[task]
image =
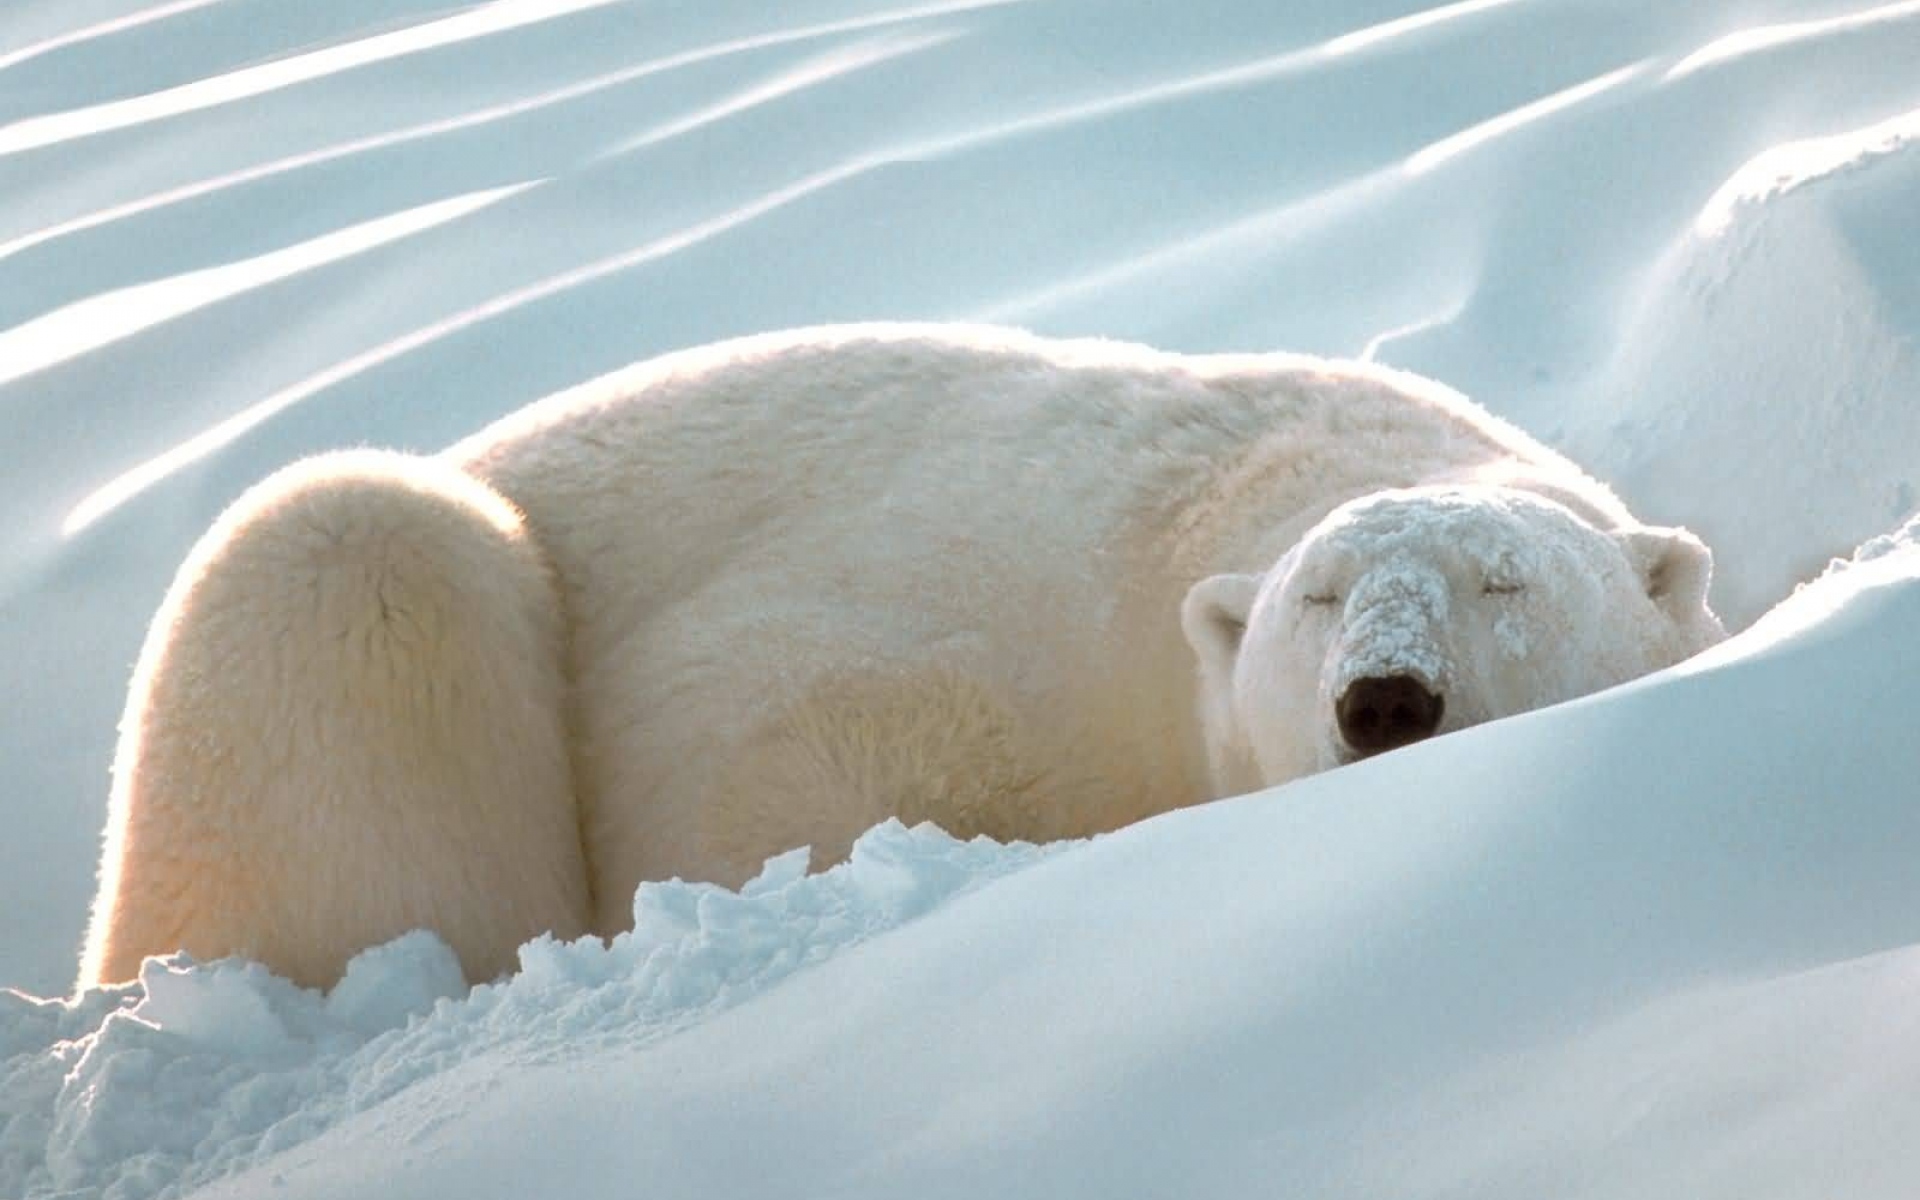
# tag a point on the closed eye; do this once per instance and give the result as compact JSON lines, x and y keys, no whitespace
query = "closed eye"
{"x":1321,"y":599}
{"x":1491,"y":588}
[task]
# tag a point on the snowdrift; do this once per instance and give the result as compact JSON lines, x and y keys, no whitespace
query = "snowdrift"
{"x":1656,"y":942}
{"x":148,"y":1088}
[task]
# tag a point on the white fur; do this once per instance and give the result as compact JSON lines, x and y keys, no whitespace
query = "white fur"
{"x":347,"y":722}
{"x":772,"y":591}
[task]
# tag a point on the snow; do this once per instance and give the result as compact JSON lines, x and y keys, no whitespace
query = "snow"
{"x":1809,"y":236}
{"x":148,"y":1089}
{"x":1660,"y":941}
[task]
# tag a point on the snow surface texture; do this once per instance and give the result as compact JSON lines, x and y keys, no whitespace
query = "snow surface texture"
{"x":146,"y":1089}
{"x":1659,"y":942}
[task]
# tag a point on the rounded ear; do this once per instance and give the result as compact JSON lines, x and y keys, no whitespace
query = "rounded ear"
{"x":1214,"y":617}
{"x":1674,"y":566}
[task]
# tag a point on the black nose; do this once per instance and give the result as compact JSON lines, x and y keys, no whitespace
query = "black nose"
{"x":1387,"y":713}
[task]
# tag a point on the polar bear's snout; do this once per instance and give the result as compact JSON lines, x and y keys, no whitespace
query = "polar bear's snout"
{"x":1386,"y":712}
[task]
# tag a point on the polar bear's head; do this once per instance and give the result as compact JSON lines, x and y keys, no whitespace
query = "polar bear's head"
{"x":1405,"y":614}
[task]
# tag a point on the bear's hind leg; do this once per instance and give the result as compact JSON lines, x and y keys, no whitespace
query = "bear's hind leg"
{"x":348,"y":721}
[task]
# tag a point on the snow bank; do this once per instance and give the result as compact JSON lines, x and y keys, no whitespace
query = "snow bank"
{"x":1785,"y":317}
{"x":148,"y":1089}
{"x":1658,"y":942}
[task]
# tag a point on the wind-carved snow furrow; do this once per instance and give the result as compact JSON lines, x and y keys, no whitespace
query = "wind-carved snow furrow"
{"x":1299,"y":218}
{"x":820,"y":69}
{"x":100,"y":320}
{"x":520,"y":106}
{"x":485,"y":21}
{"x":1264,"y":69}
{"x":286,"y":72}
{"x":1402,"y":27}
{"x":1514,"y":119}
{"x":100,"y":29}
{"x":825,"y":67}
{"x":1769,"y":37}
{"x":1293,"y":219}
{"x":1261,"y":70}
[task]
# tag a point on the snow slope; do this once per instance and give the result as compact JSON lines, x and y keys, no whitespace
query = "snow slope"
{"x":1655,"y":943}
{"x":1468,"y":970}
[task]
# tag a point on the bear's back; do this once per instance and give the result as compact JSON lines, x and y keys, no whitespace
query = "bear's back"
{"x":978,"y":433}
{"x":861,"y":437}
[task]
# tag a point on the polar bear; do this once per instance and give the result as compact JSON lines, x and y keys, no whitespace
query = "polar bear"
{"x":771,"y":592}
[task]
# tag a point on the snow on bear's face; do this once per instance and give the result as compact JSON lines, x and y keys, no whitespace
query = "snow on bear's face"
{"x":1405,"y":614}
